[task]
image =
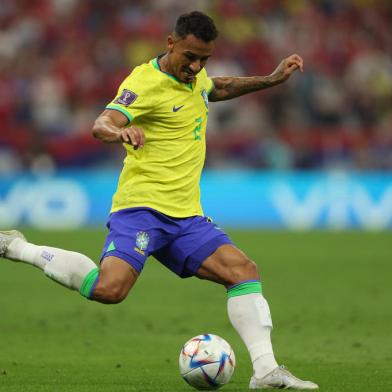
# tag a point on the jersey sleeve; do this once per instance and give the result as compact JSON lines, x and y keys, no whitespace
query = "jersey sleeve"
{"x":207,"y":82}
{"x":210,"y":85}
{"x":132,"y":99}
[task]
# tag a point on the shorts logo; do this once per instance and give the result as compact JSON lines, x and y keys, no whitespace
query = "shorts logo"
{"x":142,"y":240}
{"x":205,"y":97}
{"x":126,"y":98}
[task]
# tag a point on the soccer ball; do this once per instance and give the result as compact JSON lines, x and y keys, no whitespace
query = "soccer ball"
{"x":207,"y":362}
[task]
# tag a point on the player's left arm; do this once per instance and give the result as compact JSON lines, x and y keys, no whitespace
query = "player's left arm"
{"x":231,"y":87}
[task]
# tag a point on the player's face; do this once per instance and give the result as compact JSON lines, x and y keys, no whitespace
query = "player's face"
{"x":188,"y":56}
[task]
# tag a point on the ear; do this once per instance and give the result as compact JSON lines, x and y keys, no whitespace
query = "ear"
{"x":170,"y":43}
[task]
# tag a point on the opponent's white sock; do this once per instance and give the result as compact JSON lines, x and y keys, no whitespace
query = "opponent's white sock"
{"x":250,"y":315}
{"x":71,"y":269}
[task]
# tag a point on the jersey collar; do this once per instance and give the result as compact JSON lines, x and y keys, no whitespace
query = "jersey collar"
{"x":155,"y":64}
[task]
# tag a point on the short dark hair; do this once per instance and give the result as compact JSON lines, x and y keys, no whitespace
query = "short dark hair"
{"x":198,"y":24}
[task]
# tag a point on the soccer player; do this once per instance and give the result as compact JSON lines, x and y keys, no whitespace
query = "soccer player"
{"x":160,"y":115}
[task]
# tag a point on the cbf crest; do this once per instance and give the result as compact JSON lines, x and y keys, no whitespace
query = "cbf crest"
{"x":142,"y":240}
{"x":205,"y":97}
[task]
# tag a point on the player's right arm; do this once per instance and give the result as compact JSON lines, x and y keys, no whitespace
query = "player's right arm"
{"x":111,"y":127}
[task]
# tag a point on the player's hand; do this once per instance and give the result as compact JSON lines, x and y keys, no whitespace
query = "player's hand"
{"x":133,"y":136}
{"x":287,"y":66}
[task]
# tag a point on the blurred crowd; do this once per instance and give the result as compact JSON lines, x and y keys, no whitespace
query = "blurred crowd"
{"x":61,"y":62}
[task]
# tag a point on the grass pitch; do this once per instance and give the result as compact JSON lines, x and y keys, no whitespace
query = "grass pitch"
{"x":329,"y":293}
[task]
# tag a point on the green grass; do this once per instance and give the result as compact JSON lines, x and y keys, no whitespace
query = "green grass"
{"x":329,"y":293}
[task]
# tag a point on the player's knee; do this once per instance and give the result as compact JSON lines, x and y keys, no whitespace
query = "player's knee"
{"x":244,"y":270}
{"x":109,"y":294}
{"x":251,"y":269}
{"x":115,"y":279}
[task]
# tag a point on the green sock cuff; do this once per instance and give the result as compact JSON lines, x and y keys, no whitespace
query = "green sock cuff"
{"x":89,"y":282}
{"x":244,"y":288}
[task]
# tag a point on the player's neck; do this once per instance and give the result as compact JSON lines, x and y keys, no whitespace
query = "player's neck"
{"x":164,"y":65}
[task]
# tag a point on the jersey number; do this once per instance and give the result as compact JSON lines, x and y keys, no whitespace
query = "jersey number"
{"x":197,"y":130}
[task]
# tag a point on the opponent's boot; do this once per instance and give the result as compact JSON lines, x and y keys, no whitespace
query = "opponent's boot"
{"x":280,"y":378}
{"x":6,"y":237}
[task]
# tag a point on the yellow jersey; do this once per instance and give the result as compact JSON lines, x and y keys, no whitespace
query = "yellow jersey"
{"x":165,"y":173}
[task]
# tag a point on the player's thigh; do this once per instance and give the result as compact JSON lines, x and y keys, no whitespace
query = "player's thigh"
{"x":116,"y":278}
{"x":229,"y":266}
{"x":199,"y":238}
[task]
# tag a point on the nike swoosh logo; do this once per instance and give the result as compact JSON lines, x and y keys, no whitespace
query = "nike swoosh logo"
{"x":176,"y":109}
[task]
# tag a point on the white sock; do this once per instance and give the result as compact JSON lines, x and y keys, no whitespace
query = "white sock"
{"x":251,"y":318}
{"x":65,"y":267}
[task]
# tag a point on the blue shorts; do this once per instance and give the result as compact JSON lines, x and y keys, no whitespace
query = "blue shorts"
{"x":181,"y":244}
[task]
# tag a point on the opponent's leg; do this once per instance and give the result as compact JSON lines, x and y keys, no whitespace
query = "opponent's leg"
{"x":250,"y":315}
{"x":71,"y":269}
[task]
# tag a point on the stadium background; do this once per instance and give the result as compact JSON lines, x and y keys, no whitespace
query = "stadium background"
{"x":62,"y":61}
{"x":313,"y":153}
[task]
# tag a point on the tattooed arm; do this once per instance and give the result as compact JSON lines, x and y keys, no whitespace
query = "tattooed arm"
{"x":231,"y":87}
